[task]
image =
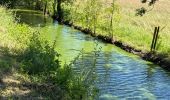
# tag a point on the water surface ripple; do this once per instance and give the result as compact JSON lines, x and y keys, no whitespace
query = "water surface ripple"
{"x":120,"y":75}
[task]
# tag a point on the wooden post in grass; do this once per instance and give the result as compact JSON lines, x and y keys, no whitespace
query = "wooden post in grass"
{"x":155,"y":39}
{"x":152,"y":45}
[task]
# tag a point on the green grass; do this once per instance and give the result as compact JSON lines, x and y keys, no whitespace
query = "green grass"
{"x":14,"y":36}
{"x":34,"y":64}
{"x":158,"y":16}
{"x":128,"y":28}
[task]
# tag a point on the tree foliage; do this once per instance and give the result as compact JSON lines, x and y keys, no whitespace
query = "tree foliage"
{"x":150,"y":2}
{"x":141,"y":11}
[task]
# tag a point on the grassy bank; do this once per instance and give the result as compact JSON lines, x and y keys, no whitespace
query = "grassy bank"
{"x":30,"y":67}
{"x":113,"y":18}
{"x":118,"y":21}
{"x":158,"y":16}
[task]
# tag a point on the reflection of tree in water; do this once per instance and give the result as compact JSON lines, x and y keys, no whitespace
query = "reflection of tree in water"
{"x":32,"y":18}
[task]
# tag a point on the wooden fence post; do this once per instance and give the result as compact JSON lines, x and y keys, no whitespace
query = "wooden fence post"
{"x":152,"y":45}
{"x":155,"y":38}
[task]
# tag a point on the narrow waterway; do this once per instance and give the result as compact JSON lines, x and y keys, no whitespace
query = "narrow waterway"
{"x":120,"y":75}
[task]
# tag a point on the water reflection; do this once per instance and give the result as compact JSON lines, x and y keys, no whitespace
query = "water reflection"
{"x":32,"y":18}
{"x":120,"y":75}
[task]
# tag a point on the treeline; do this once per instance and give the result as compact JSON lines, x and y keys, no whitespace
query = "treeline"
{"x":98,"y":17}
{"x":56,"y":8}
{"x":91,"y":13}
{"x":51,"y":7}
{"x":34,"y":4}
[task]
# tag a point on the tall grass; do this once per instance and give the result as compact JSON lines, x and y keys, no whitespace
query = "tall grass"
{"x":158,"y":16}
{"x":128,"y":28}
{"x":39,"y":60}
{"x":14,"y":36}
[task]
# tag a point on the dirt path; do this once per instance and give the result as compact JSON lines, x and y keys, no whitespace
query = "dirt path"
{"x":11,"y":82}
{"x":16,"y":87}
{"x":11,"y":87}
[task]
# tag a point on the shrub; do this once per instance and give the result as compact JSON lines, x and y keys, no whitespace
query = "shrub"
{"x":40,"y":56}
{"x":40,"y":62}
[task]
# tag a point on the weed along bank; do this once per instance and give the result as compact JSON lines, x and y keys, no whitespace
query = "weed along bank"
{"x":84,"y":50}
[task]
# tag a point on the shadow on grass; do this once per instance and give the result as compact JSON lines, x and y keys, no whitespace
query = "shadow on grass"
{"x":30,"y":91}
{"x":13,"y":84}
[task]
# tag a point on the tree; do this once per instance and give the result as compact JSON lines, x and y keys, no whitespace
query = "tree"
{"x":59,"y":13}
{"x":59,"y":10}
{"x":45,"y":7}
{"x":141,"y":11}
{"x":91,"y":13}
{"x":9,"y":3}
{"x":150,"y":2}
{"x":95,"y":13}
{"x":112,"y":9}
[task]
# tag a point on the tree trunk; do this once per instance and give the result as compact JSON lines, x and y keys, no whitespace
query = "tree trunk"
{"x":94,"y":24}
{"x":54,"y":10}
{"x":59,"y":11}
{"x":111,"y":24}
{"x":45,"y":8}
{"x":111,"y":19}
{"x":37,"y":5}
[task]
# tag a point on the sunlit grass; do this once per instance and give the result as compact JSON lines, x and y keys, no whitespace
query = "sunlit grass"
{"x":136,"y":31}
{"x":144,"y":26}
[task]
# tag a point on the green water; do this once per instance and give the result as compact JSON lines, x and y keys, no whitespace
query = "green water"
{"x":120,"y":75}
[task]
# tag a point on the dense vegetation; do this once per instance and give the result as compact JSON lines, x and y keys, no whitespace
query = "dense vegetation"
{"x":116,"y":20}
{"x":37,"y":61}
{"x":36,"y":58}
{"x":107,"y":19}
